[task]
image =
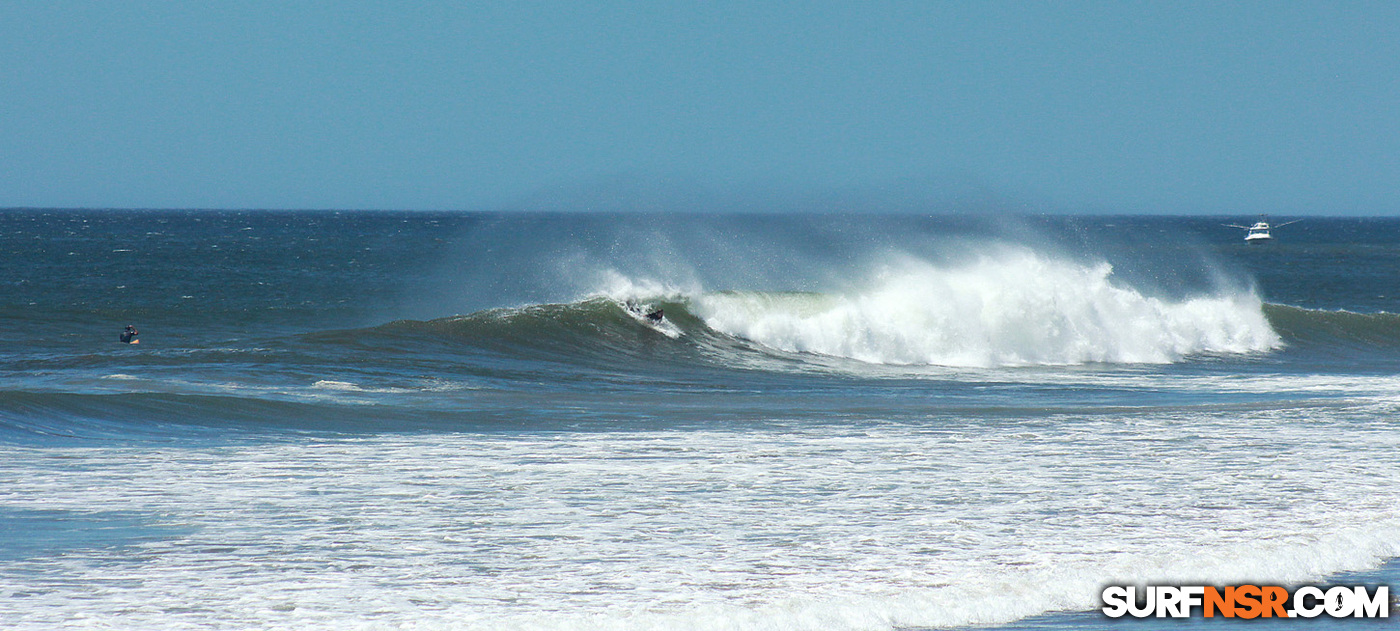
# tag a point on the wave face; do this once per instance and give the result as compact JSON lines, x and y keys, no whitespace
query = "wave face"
{"x":1337,"y":332}
{"x":1016,"y":308}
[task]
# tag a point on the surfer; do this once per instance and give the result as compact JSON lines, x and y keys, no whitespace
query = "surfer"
{"x":645,"y":311}
{"x":129,"y":334}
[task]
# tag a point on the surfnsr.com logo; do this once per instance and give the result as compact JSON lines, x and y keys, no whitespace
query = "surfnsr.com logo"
{"x":1246,"y":601}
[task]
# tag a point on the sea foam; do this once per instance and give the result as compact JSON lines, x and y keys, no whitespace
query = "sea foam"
{"x":871,"y":528}
{"x":1013,"y":307}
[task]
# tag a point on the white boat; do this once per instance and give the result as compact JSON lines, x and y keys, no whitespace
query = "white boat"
{"x":1260,"y":231}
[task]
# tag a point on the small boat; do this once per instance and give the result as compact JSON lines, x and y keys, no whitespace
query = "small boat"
{"x":1259,"y":232}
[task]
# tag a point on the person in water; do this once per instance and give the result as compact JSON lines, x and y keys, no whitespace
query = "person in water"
{"x":635,"y":307}
{"x":129,"y":334}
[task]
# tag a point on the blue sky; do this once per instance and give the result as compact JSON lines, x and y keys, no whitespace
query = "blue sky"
{"x":1160,"y":107}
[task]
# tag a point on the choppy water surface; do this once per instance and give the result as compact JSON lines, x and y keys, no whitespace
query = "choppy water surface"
{"x":387,"y":420}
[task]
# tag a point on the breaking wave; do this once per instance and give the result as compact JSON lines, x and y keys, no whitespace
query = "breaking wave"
{"x":1018,"y":308}
{"x":1021,"y":309}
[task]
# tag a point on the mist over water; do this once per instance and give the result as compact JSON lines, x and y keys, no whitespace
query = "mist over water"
{"x":902,"y":290}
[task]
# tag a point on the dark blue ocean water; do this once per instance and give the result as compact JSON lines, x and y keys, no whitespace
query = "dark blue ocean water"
{"x":457,"y":420}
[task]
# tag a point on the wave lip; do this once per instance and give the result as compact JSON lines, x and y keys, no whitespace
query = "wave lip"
{"x":1014,"y":309}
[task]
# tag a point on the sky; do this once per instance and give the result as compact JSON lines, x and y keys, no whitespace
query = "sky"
{"x":1120,"y":107}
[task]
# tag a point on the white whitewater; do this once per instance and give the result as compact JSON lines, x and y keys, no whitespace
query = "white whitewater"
{"x":1016,"y":307}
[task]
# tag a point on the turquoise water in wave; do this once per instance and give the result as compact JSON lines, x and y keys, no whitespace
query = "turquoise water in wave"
{"x":462,"y":421}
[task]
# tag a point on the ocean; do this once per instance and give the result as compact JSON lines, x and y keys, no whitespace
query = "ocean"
{"x":433,"y":420}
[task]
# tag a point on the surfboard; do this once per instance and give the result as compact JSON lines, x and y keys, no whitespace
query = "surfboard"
{"x":663,"y":326}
